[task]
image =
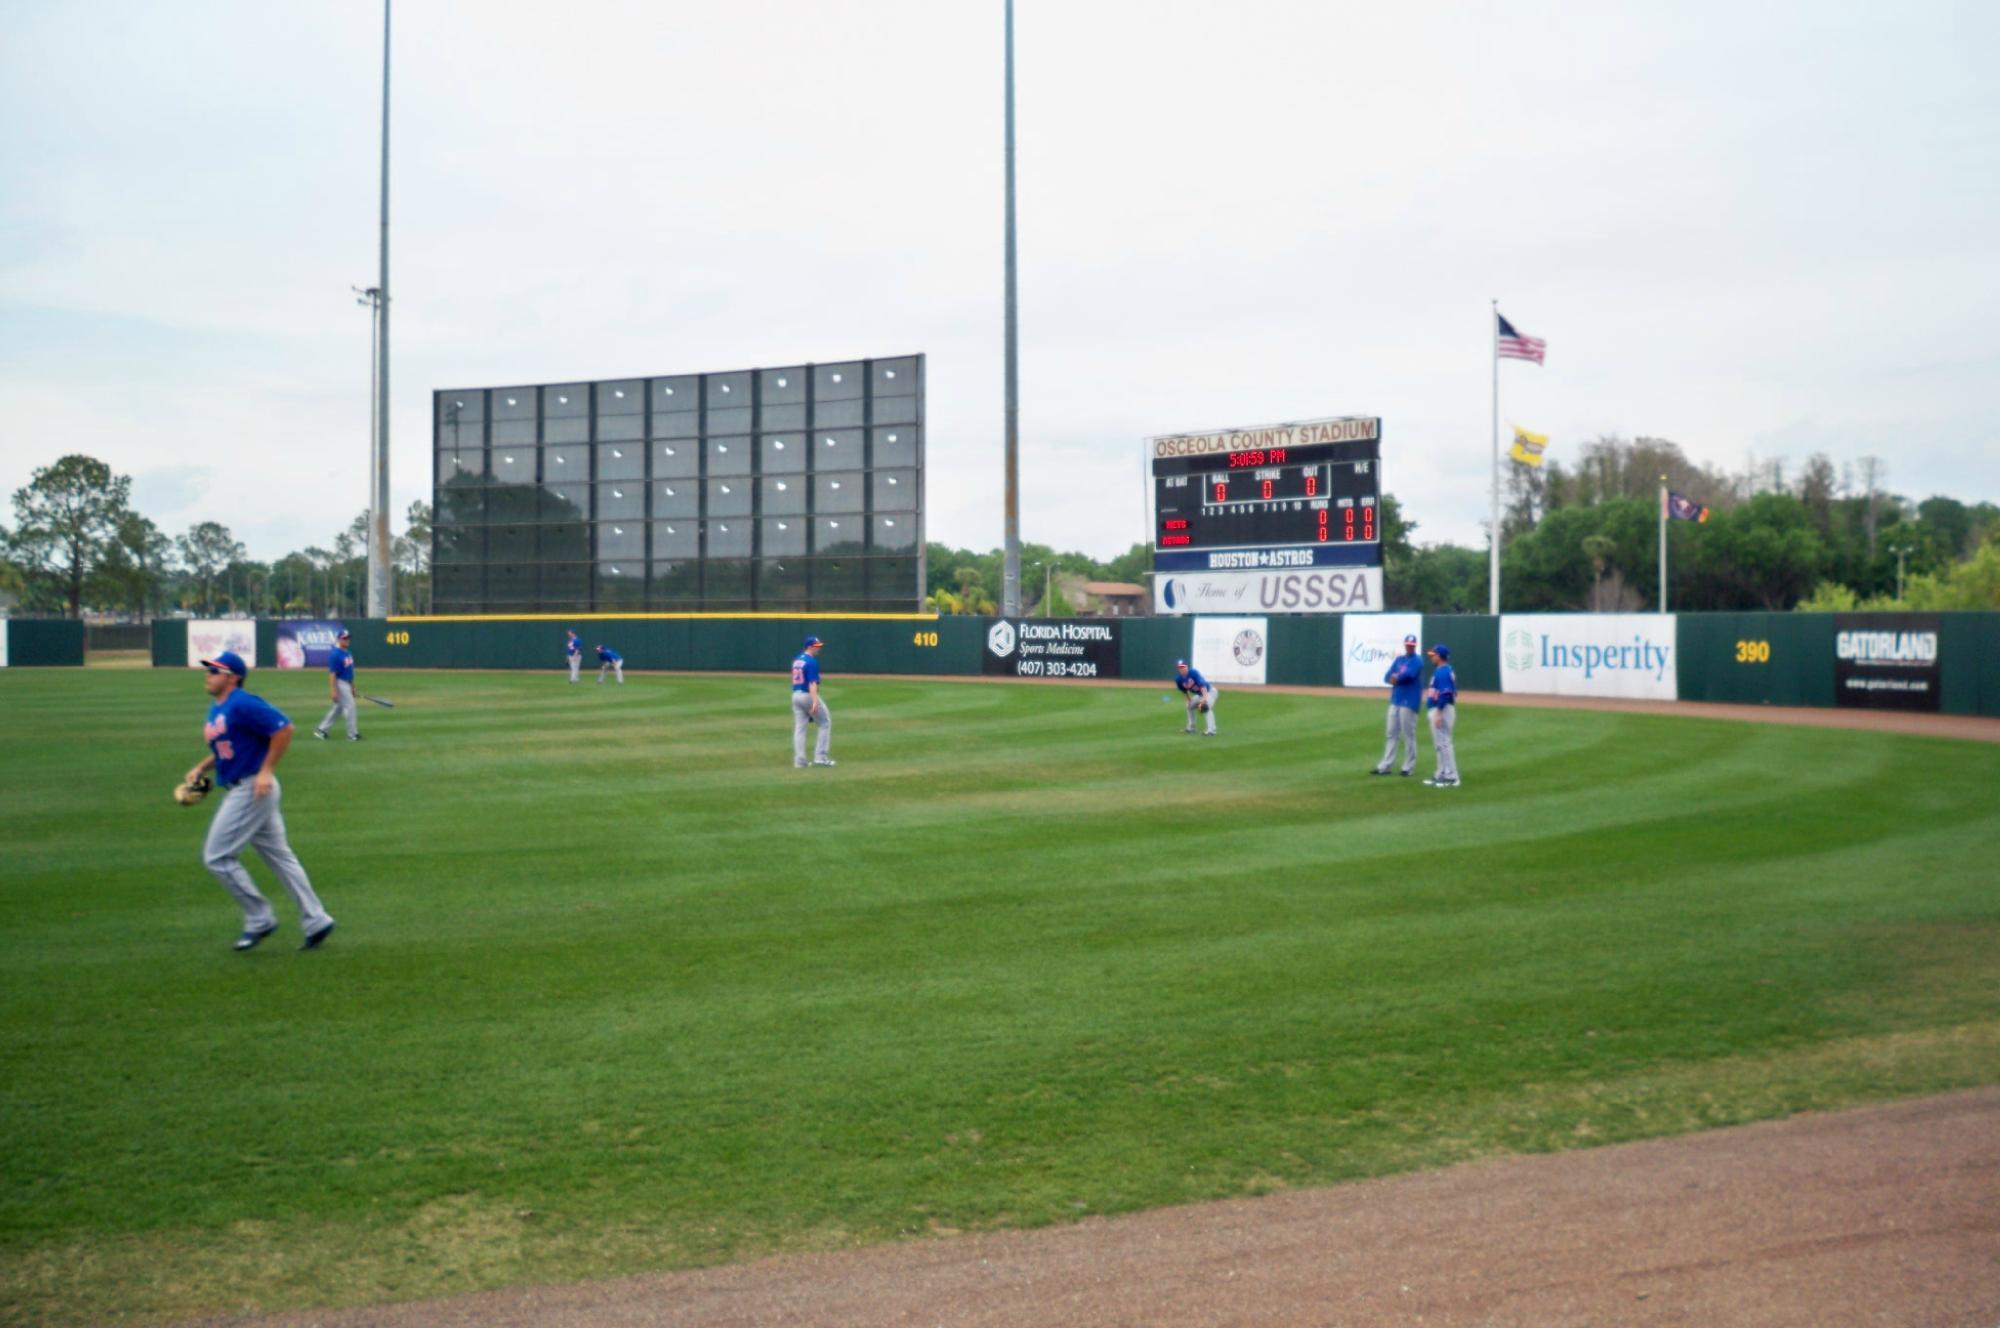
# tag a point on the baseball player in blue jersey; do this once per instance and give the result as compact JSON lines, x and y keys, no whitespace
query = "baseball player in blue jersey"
{"x":340,"y":684}
{"x":1406,"y":696}
{"x":574,"y":649}
{"x":247,"y":737}
{"x":1443,"y":696}
{"x":809,"y":707}
{"x":610,"y":661}
{"x":1200,"y":695}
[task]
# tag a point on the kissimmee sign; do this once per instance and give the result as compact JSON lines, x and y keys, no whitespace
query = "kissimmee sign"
{"x":1589,"y":654}
{"x":1886,"y":661}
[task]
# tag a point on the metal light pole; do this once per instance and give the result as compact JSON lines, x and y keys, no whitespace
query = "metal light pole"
{"x":1901,"y":551}
{"x":1048,"y":573}
{"x":1010,"y":580}
{"x":379,"y":603}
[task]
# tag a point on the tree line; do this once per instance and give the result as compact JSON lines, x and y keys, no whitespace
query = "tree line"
{"x":1586,"y":536}
{"x":1577,"y":536}
{"x":77,"y":544}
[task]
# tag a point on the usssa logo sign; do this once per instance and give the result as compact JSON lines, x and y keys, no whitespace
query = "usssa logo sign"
{"x":1000,"y":639}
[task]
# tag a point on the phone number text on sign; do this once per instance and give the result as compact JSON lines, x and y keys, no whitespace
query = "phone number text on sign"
{"x":1055,"y":668}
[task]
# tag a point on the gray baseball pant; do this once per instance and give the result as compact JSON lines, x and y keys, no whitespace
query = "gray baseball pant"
{"x":612,"y":666}
{"x":1194,"y":700}
{"x":802,"y":715}
{"x":1442,"y":720}
{"x":245,"y":820}
{"x":343,"y":704}
{"x":575,"y":665}
{"x":1402,"y":727}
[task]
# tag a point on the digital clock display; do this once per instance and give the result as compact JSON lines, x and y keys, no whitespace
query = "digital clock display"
{"x":1270,"y":498}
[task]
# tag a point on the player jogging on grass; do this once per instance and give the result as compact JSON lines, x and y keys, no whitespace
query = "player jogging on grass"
{"x":247,"y":736}
{"x":1200,"y":695}
{"x":1443,"y":696}
{"x":808,"y":707}
{"x":340,"y":684}
{"x":1406,"y":696}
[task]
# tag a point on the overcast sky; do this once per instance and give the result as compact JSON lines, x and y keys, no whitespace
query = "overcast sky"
{"x":1758,"y":230}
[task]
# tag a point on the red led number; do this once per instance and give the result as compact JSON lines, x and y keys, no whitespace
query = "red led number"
{"x":1322,"y":525}
{"x":1221,"y":492}
{"x":1264,"y":490}
{"x":1312,"y":486}
{"x":1348,"y":518}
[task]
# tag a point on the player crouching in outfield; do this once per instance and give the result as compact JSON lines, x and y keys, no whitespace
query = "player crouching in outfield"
{"x":808,"y":707}
{"x":1200,"y":695}
{"x":1443,"y":697}
{"x":247,"y":736}
{"x":610,"y":661}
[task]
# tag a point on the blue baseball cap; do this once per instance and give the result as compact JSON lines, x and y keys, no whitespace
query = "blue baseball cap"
{"x":1180,"y":663}
{"x":812,"y":641}
{"x":1409,"y":640}
{"x":227,"y":662}
{"x":1441,"y":650}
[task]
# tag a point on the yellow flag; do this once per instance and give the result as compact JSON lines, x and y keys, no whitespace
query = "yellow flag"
{"x":1527,"y":448}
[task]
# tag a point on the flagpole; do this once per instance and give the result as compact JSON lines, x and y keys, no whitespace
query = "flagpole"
{"x":1493,"y":569}
{"x":1663,"y":544}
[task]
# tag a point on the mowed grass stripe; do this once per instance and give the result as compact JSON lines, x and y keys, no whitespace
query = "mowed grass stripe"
{"x":617,"y":988}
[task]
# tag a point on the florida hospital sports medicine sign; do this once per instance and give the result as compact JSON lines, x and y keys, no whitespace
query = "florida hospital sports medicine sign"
{"x":1066,"y":648}
{"x":1590,"y":654}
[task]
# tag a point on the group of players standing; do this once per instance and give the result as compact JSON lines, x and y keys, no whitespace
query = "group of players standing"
{"x":247,"y":736}
{"x":1407,"y":694}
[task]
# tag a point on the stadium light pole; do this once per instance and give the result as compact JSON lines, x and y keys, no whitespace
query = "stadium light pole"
{"x":1011,"y":561}
{"x":1900,"y":550}
{"x":379,"y":603}
{"x":1048,"y":574}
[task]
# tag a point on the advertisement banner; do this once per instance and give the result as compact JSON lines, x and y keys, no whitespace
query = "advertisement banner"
{"x":1369,"y":641}
{"x":209,"y":637}
{"x":304,"y":642}
{"x":1589,"y":654}
{"x":1044,"y":648}
{"x":1296,"y":590}
{"x":1886,"y":661}
{"x":1235,"y":650}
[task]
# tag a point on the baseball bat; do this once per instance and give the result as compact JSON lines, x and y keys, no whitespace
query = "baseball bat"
{"x":386,"y":705}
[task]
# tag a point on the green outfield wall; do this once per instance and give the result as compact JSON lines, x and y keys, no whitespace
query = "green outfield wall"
{"x":1788,"y":659}
{"x":1756,"y":658}
{"x":35,"y":643}
{"x":1474,"y":639}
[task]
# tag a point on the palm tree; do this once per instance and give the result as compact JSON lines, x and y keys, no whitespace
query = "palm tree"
{"x":1598,"y":548}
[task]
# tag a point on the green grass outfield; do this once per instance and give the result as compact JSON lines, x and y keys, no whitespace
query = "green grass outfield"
{"x":615,"y":988}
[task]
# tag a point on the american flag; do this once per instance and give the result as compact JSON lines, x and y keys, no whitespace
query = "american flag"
{"x":1514,"y":346}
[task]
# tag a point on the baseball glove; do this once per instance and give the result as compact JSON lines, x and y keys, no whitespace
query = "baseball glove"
{"x":1203,"y":707}
{"x":188,"y":793}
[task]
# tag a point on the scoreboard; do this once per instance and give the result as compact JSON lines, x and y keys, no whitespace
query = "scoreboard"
{"x":1306,"y":494}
